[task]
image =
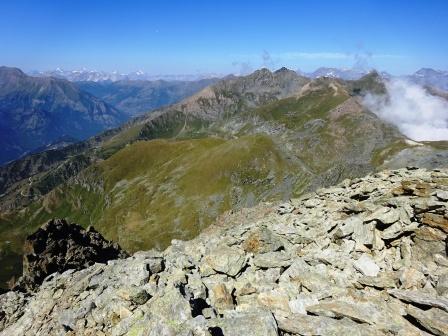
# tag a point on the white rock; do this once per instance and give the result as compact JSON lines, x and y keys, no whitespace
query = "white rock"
{"x":366,"y":265}
{"x":298,"y":305}
{"x":442,"y":195}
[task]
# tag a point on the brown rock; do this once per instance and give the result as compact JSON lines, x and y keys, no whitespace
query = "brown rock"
{"x":437,"y":221}
{"x":222,"y":299}
{"x":413,"y":188}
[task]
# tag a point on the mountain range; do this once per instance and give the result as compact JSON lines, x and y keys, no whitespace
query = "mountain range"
{"x":84,"y":74}
{"x":38,"y":111}
{"x":237,"y":142}
{"x":43,"y":112}
{"x":425,"y":76}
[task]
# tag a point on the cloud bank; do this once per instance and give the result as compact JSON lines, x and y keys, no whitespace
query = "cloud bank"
{"x":417,"y":114}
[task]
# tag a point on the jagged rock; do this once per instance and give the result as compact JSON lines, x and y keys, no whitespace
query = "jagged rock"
{"x":373,"y":313}
{"x":397,"y":229}
{"x":364,"y":234}
{"x":337,"y":262}
{"x":58,"y":246}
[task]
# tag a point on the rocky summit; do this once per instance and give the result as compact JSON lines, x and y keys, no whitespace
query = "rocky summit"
{"x":58,"y":246}
{"x":365,"y":257}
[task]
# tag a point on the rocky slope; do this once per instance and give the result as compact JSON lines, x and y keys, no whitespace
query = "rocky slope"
{"x":37,"y":111}
{"x":365,"y":257}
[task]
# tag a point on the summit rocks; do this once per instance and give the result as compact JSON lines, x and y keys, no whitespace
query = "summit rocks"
{"x":365,"y":257}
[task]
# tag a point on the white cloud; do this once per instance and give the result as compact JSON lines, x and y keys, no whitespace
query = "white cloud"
{"x":418,"y":114}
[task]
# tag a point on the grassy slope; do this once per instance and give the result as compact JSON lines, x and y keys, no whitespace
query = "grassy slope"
{"x":163,"y":189}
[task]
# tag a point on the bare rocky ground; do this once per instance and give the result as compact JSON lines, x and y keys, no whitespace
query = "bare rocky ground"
{"x":365,"y":257}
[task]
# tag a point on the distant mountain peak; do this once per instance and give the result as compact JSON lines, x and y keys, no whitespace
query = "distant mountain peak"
{"x":283,"y":69}
{"x":430,"y":77}
{"x":342,"y":73}
{"x":429,"y":71}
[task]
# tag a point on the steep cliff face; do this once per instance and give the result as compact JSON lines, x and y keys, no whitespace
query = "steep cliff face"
{"x":365,"y":257}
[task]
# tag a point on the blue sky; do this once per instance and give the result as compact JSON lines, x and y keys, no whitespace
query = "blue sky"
{"x":173,"y":37}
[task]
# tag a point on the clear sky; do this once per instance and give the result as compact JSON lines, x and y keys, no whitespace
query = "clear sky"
{"x":223,"y":36}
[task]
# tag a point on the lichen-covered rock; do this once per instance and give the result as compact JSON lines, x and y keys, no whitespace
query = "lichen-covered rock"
{"x":366,"y":257}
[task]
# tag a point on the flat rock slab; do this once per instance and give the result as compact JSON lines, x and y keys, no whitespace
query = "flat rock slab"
{"x":319,"y":325}
{"x":420,"y":298}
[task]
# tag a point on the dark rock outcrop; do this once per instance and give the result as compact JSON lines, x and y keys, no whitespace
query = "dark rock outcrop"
{"x":58,"y":246}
